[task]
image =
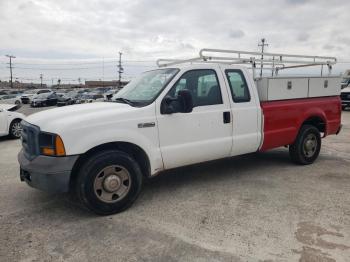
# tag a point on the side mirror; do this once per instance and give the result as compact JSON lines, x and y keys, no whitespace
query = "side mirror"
{"x":183,"y":103}
{"x":185,"y":98}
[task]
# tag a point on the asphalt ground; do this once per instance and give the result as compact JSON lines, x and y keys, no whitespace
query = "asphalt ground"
{"x":257,"y":207}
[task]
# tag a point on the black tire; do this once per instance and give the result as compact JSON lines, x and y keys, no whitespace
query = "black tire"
{"x":298,"y":150}
{"x":85,"y":182}
{"x":14,"y":132}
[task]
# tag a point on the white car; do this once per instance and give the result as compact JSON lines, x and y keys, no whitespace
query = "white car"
{"x":28,"y":95}
{"x":10,"y":121}
{"x":10,"y":99}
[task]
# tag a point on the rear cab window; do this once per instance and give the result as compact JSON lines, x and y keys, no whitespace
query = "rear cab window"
{"x":238,"y":85}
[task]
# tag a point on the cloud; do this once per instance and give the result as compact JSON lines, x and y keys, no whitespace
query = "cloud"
{"x":149,"y":29}
{"x":236,"y":33}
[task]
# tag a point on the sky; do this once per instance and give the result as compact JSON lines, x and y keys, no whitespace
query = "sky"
{"x":72,"y":39}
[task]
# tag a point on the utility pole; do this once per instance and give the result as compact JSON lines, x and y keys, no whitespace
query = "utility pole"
{"x":41,"y":80}
{"x":120,"y":70}
{"x":11,"y":56}
{"x":263,"y":44}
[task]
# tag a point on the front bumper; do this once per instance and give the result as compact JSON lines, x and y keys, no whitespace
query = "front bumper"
{"x":50,"y":174}
{"x":345,"y":102}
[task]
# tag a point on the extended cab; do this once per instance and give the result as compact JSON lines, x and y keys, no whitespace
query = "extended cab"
{"x":170,"y":117}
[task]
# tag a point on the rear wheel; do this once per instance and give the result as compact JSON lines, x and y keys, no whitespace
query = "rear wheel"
{"x":15,"y":129}
{"x":307,"y":146}
{"x":109,"y":182}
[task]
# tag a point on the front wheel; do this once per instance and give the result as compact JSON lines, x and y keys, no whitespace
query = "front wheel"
{"x":15,"y":129}
{"x":307,"y":146}
{"x":109,"y":182}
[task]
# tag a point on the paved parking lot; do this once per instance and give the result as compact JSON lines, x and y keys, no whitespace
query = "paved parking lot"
{"x":258,"y":207}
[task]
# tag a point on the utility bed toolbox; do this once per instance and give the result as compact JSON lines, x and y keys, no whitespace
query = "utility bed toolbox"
{"x":281,"y":88}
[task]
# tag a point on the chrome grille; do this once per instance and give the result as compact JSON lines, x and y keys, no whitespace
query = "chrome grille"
{"x":30,"y":140}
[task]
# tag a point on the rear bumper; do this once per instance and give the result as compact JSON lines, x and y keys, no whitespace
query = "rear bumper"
{"x":50,"y":174}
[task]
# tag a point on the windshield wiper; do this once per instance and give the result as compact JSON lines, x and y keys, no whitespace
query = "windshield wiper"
{"x":125,"y":101}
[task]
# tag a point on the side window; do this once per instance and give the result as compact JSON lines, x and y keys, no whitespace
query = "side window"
{"x":203,"y":84}
{"x":238,"y":86}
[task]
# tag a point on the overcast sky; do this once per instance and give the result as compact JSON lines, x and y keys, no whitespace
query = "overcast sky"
{"x":75,"y":36}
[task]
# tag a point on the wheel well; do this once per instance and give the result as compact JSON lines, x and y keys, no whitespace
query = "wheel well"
{"x":14,"y":120}
{"x":135,"y":151}
{"x":317,"y":122}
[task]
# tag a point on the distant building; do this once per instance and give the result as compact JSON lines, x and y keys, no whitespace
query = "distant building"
{"x":98,"y":83}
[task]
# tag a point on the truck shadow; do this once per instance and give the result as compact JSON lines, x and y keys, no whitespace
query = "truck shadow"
{"x":228,"y":168}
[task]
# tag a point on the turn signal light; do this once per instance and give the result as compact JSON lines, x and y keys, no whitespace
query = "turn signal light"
{"x":60,"y":151}
{"x":48,"y":151}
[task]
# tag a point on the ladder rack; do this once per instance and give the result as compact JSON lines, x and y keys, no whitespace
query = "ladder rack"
{"x":277,"y":61}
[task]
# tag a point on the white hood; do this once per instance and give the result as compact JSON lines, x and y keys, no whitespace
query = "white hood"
{"x":78,"y":116}
{"x":346,"y":90}
{"x":7,"y":106}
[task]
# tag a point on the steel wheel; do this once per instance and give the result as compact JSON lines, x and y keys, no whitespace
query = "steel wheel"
{"x":16,"y":129}
{"x":112,"y":184}
{"x":310,"y":145}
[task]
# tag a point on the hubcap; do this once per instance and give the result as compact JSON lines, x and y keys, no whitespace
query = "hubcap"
{"x":112,"y":184}
{"x":16,"y":129}
{"x":310,"y":145}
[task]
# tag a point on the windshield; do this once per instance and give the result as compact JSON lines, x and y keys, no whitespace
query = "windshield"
{"x":144,"y":89}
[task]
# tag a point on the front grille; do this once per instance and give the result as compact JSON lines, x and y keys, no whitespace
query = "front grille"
{"x":30,"y":140}
{"x":345,"y":96}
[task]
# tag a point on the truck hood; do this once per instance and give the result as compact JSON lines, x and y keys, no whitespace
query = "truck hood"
{"x":79,"y":116}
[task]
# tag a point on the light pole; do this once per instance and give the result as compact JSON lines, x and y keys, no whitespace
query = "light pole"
{"x":11,"y":56}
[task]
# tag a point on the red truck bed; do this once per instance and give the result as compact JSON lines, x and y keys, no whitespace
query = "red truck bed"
{"x":283,"y":118}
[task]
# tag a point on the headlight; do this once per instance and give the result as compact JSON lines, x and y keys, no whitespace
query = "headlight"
{"x":51,"y":145}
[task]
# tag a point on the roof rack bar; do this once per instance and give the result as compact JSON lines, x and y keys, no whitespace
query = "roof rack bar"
{"x":202,"y":51}
{"x":277,"y":60}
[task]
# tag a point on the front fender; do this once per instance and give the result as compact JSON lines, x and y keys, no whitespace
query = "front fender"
{"x":80,"y":144}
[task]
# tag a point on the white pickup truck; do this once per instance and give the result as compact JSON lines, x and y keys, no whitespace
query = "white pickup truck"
{"x":177,"y":115}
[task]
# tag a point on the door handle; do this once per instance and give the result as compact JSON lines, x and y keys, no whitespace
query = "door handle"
{"x":227,"y":117}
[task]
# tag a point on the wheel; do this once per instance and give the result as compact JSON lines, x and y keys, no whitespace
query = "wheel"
{"x":15,"y":129}
{"x":17,"y":102}
{"x":307,"y":146}
{"x":109,"y":182}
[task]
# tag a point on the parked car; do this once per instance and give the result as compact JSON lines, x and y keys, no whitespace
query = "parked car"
{"x":109,"y":94}
{"x":67,"y":99}
{"x":44,"y":99}
{"x":10,"y":121}
{"x":29,"y":94}
{"x":90,"y":97}
{"x":3,"y":93}
{"x":10,"y":99}
{"x":345,"y":83}
{"x":15,"y":92}
{"x":177,"y":115}
{"x":345,"y":97}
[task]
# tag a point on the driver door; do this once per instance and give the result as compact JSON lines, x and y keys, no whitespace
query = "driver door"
{"x":203,"y":134}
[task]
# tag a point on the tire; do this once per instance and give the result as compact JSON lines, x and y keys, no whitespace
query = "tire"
{"x":15,"y":129}
{"x":97,"y":186}
{"x":307,"y":146}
